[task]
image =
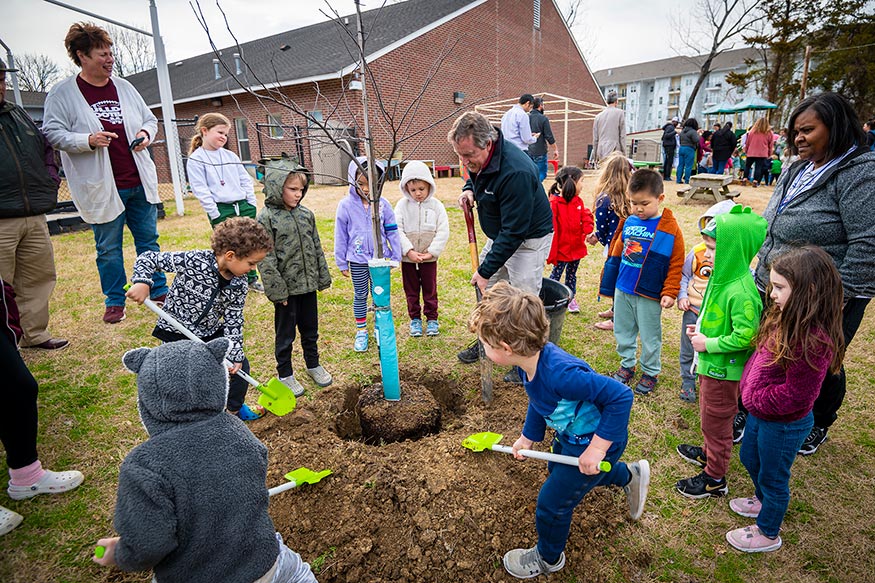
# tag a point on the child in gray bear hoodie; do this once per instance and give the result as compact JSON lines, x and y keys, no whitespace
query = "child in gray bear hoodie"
{"x":192,"y":501}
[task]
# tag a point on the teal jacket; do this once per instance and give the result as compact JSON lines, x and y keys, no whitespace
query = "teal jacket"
{"x":296,"y":265}
{"x":731,"y":308}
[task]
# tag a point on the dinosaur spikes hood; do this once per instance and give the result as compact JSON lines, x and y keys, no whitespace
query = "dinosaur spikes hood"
{"x":179,"y":382}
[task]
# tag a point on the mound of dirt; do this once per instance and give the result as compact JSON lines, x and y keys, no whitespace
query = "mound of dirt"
{"x":427,"y":510}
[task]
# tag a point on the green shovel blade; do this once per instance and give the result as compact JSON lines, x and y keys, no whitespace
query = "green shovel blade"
{"x":276,"y":397}
{"x":481,"y":441}
{"x":306,"y":476}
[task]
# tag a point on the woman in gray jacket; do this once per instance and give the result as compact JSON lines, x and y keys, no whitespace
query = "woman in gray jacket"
{"x":825,"y":199}
{"x":687,"y":153}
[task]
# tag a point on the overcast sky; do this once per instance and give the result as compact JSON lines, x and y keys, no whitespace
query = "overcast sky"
{"x":615,"y":32}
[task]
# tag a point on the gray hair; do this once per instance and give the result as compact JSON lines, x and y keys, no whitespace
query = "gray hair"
{"x":612,"y":97}
{"x":474,"y":125}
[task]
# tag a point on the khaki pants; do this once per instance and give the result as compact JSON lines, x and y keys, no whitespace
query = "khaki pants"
{"x":525,"y":268}
{"x":27,"y":261}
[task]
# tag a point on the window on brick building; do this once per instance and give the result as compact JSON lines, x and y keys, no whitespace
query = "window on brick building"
{"x":275,"y":125}
{"x":242,"y":139}
{"x":537,"y":13}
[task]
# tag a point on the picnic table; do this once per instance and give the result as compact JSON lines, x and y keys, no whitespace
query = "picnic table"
{"x":707,"y":186}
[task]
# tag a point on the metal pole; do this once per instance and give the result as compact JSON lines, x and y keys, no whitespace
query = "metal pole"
{"x":10,"y":58}
{"x":104,"y":18}
{"x":369,"y":145}
{"x":171,"y":136}
{"x":565,"y":137}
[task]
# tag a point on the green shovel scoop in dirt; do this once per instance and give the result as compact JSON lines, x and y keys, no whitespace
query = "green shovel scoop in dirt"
{"x":295,"y":478}
{"x":275,"y":396}
{"x":488,"y":440}
{"x":298,"y":477}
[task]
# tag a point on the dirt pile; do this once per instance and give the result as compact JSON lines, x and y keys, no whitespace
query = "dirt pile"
{"x":425,"y":510}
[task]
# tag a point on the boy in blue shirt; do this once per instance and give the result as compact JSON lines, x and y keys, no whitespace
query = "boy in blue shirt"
{"x":643,"y":275}
{"x":588,"y":412}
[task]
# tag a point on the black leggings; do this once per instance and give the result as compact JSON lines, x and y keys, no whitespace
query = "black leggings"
{"x":18,"y":415}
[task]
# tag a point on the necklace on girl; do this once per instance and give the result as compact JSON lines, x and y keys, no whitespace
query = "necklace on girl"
{"x":220,"y":171}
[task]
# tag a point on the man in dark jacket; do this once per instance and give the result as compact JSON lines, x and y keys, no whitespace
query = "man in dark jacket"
{"x":28,"y":189}
{"x":669,"y":145}
{"x":538,"y":151}
{"x":512,"y":208}
{"x":722,"y":146}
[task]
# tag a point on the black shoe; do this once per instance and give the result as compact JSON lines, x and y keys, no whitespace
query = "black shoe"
{"x":814,"y":440}
{"x":513,"y":376}
{"x":738,"y":426}
{"x":702,"y":486}
{"x":693,"y":454}
{"x":471,"y":354}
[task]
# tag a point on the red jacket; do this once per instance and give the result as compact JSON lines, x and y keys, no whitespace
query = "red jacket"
{"x":572,"y":222}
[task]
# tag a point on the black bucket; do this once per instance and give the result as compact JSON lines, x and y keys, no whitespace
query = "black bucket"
{"x":555,"y":297}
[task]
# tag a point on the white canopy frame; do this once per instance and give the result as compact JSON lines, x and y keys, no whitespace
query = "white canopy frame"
{"x":568,"y":110}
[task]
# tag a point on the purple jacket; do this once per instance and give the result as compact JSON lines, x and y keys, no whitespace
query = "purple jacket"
{"x":772,"y":393}
{"x":354,"y":233}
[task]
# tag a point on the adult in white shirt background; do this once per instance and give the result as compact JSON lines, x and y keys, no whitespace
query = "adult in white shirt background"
{"x":94,"y":119}
{"x":515,"y":126}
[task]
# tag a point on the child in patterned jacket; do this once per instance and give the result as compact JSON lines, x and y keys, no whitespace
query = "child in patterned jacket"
{"x":208,"y":294}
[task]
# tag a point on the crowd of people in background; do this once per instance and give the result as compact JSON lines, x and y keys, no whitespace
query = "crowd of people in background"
{"x":761,"y":354}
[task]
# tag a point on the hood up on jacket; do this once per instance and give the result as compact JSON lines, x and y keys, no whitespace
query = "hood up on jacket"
{"x":416,"y":170}
{"x":724,"y":206}
{"x":739,"y":234}
{"x":351,"y":172}
{"x":179,"y":382}
{"x":275,"y":174}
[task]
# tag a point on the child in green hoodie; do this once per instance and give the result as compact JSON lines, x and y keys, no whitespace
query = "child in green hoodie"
{"x":722,"y":338}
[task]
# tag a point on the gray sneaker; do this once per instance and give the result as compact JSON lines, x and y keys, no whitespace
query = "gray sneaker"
{"x":527,"y":563}
{"x":293,"y":384}
{"x":636,"y":489}
{"x":320,"y":376}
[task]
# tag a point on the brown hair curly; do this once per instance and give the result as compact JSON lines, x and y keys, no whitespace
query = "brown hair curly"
{"x":242,"y":235}
{"x":513,"y":316}
{"x":85,"y":36}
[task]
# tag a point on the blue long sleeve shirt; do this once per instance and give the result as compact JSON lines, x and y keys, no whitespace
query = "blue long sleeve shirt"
{"x":574,"y":400}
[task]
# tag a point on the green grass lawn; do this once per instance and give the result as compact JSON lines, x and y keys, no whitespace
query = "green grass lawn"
{"x":88,"y":420}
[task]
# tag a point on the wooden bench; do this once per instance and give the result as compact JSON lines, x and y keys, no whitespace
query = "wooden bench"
{"x":708,"y":186}
{"x":450,"y":169}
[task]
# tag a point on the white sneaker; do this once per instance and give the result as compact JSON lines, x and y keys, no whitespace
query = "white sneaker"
{"x":293,"y":384}
{"x":50,"y":483}
{"x":636,"y":489}
{"x":320,"y":376}
{"x":9,"y":520}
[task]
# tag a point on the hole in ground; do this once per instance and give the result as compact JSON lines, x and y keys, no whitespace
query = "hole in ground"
{"x":428,"y":401}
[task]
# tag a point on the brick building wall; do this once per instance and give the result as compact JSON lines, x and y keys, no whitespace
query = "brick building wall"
{"x":489,"y":53}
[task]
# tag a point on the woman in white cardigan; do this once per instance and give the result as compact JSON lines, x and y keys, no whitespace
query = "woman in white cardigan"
{"x":102,"y":128}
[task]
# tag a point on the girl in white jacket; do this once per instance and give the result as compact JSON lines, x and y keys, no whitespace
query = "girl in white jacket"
{"x":424,"y":230}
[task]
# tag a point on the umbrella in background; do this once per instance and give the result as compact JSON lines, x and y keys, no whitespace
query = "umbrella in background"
{"x":753,"y":104}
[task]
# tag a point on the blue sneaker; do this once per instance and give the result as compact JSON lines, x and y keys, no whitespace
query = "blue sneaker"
{"x":432,"y":328}
{"x":415,"y":328}
{"x":361,"y":341}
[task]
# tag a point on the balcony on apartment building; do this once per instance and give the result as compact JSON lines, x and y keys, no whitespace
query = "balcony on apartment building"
{"x":674,"y":90}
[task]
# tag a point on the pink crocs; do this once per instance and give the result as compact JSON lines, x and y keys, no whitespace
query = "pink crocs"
{"x":50,"y":483}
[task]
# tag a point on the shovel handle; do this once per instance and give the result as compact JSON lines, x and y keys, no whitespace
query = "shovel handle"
{"x":188,"y":334}
{"x":282,"y":488}
{"x":568,"y":460}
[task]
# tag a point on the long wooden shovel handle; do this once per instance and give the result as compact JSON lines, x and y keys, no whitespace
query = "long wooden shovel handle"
{"x":188,"y":334}
{"x":568,"y":460}
{"x":472,"y":235}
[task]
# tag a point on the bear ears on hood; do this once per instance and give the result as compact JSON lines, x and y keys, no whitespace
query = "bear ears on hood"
{"x":133,"y":359}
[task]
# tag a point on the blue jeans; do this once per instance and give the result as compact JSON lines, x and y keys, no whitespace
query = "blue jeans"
{"x":541,"y":165}
{"x":141,"y":217}
{"x":688,"y":379}
{"x":564,"y":489}
{"x":686,"y":161}
{"x":719,"y":166}
{"x":767,"y":451}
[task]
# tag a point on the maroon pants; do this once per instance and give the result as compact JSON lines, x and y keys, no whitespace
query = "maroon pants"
{"x":718,"y":404}
{"x":416,"y":277}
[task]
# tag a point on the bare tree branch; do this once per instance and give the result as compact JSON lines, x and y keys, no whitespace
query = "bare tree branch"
{"x":37,"y":72}
{"x":133,"y":52}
